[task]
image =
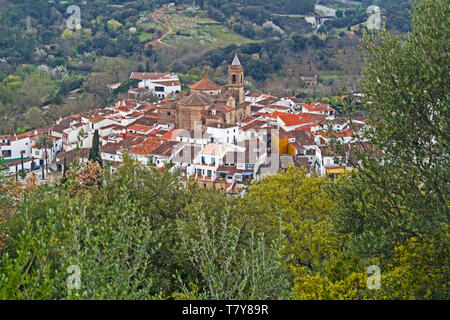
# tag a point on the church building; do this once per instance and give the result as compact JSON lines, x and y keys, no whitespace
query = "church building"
{"x":208,"y":103}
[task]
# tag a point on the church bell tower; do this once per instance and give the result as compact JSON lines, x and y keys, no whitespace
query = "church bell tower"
{"x":236,"y":80}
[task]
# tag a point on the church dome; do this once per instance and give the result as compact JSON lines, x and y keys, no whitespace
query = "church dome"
{"x":196,"y":99}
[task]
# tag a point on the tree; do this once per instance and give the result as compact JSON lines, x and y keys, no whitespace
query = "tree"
{"x":44,"y":142}
{"x":126,"y":85}
{"x":419,"y":270}
{"x":34,"y":117}
{"x":96,"y":83}
{"x":94,"y":153}
{"x":299,"y":205}
{"x":114,"y":25}
{"x":64,"y":173}
{"x":37,"y":88}
{"x":12,"y":82}
{"x":117,"y":69}
{"x":232,"y":267}
{"x":67,"y":34}
{"x":400,"y":189}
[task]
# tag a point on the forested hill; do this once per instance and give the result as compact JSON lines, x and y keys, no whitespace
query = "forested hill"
{"x":42,"y":60}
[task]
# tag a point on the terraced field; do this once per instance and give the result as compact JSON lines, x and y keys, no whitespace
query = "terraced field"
{"x":195,"y":28}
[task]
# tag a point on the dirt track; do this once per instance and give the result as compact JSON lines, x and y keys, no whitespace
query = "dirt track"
{"x":158,"y":41}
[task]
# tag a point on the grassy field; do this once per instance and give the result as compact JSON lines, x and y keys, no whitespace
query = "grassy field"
{"x":148,"y":30}
{"x":145,"y":36}
{"x":198,"y":29}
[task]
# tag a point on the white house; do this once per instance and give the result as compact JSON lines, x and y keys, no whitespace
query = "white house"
{"x":207,"y":161}
{"x":39,"y":154}
{"x":254,"y":97}
{"x":223,"y":133}
{"x":318,"y":108}
{"x":17,"y":145}
{"x":158,"y":84}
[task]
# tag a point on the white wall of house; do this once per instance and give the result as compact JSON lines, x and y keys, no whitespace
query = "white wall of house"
{"x":116,"y":157}
{"x":98,"y":125}
{"x":143,"y":159}
{"x":26,"y":165}
{"x":224,"y":135}
{"x":162,"y":89}
{"x":13,"y":150}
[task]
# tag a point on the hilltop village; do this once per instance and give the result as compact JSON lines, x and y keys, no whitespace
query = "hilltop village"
{"x":221,"y":136}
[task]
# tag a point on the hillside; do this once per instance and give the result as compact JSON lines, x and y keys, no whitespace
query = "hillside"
{"x":274,"y":39}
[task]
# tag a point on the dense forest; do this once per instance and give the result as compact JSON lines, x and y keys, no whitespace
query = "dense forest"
{"x":141,"y":234}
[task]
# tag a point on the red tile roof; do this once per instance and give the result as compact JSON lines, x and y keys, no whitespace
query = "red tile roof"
{"x":150,"y":75}
{"x":205,"y":84}
{"x":318,"y":106}
{"x":140,"y":128}
{"x":292,"y":119}
{"x":146,"y":147}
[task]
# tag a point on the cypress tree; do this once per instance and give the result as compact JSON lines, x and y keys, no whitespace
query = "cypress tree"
{"x":94,"y":153}
{"x":64,"y":179}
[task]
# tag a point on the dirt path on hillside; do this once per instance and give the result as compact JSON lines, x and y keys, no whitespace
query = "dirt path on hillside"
{"x":168,"y":30}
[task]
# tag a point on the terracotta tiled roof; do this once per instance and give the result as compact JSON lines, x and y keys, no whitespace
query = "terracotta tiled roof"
{"x":146,"y":147}
{"x":205,"y":84}
{"x":165,"y":148}
{"x":196,"y":99}
{"x":317,"y":106}
{"x":22,"y":136}
{"x":150,"y":75}
{"x":111,"y":147}
{"x":96,"y":119}
{"x":140,"y":128}
{"x":292,"y":119}
{"x":146,"y":120}
{"x":302,"y":137}
{"x":257,"y":124}
{"x":254,"y":95}
{"x":268,"y":101}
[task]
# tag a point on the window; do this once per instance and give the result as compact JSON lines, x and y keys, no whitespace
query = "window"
{"x":203,"y":160}
{"x":213,"y":161}
{"x":159,"y":89}
{"x":6,"y":153}
{"x":168,"y":113}
{"x":233,"y":79}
